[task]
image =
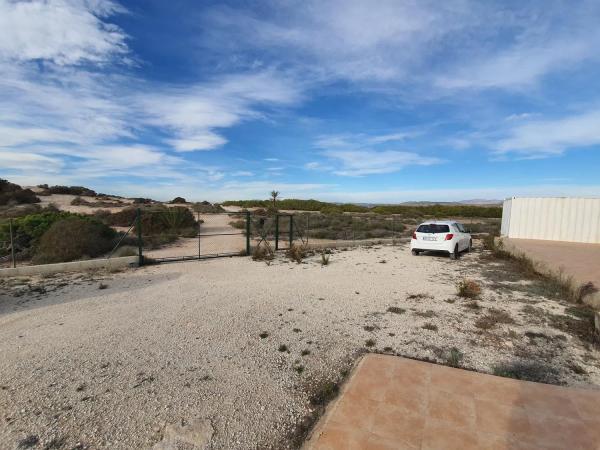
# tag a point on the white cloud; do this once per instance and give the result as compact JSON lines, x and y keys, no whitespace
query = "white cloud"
{"x":29,"y":162}
{"x":60,"y":31}
{"x":349,"y":39}
{"x":522,"y":66}
{"x":360,"y":140}
{"x":552,"y":137}
{"x":242,"y":173}
{"x":369,"y":162}
{"x":193,"y":114}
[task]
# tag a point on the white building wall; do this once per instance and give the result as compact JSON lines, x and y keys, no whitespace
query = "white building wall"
{"x":558,"y":219}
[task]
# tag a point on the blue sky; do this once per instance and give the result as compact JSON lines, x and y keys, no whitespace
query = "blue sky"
{"x":362,"y":101}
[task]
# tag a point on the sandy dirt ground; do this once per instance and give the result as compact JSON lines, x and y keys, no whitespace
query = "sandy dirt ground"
{"x":227,"y":353}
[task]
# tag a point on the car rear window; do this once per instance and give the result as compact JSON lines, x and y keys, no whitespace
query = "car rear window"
{"x":433,"y":228}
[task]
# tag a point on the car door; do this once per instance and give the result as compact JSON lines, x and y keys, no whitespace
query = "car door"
{"x":461,"y":236}
{"x":464,"y":237}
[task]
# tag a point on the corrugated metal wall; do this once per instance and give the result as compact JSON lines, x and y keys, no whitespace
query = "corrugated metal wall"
{"x":557,"y":219}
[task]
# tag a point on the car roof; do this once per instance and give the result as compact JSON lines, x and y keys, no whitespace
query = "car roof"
{"x":439,"y":222}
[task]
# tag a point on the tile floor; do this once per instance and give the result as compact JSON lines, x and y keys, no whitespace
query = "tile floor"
{"x":397,"y":403}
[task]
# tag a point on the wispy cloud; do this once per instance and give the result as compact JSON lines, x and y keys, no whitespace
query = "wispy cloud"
{"x":360,"y":154}
{"x":370,"y":162}
{"x":62,"y":93}
{"x":60,"y":31}
{"x":540,"y":138}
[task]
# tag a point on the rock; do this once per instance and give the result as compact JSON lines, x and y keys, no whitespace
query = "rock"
{"x":196,"y":433}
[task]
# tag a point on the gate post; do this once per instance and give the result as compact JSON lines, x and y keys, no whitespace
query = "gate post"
{"x":276,"y":231}
{"x":138,"y":224}
{"x":199,"y":231}
{"x":291,"y":230}
{"x":12,"y":244}
{"x":248,"y":233}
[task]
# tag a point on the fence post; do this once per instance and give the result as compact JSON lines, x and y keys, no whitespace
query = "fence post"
{"x":307,"y":227}
{"x":198,"y":219}
{"x":138,"y":224}
{"x":276,"y":231}
{"x":291,"y":230}
{"x":12,"y":244}
{"x":248,"y":233}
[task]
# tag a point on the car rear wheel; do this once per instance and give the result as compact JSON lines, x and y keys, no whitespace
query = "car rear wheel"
{"x":454,"y":255}
{"x":470,"y":245}
{"x":415,"y":252}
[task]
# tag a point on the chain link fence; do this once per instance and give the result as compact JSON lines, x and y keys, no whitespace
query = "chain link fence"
{"x":177,"y":233}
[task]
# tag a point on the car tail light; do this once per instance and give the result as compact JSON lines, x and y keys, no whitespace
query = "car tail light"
{"x":449,"y":237}
{"x":415,"y":236}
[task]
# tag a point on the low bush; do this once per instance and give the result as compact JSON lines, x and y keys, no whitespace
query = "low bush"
{"x":74,"y":238}
{"x":13,"y":194}
{"x":27,"y":230}
{"x":296,"y":253}
{"x":262,"y":252}
{"x":67,"y":190}
{"x":468,"y":289}
{"x":178,"y":200}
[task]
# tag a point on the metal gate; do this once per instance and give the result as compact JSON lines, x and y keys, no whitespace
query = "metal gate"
{"x":181,"y":235}
{"x":178,"y":234}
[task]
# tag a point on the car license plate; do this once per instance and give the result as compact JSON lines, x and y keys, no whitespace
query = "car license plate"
{"x":429,"y":238}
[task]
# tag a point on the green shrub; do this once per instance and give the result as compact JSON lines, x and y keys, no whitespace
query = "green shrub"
{"x":68,"y":190}
{"x":73,"y":238}
{"x":11,"y":193}
{"x":29,"y":229}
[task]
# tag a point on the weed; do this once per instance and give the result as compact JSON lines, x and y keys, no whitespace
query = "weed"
{"x":370,"y":343}
{"x":419,"y":296}
{"x":305,"y":352}
{"x":383,"y":261}
{"x":468,"y":288}
{"x":283,"y":348}
{"x":388,"y":349}
{"x":299,"y":369}
{"x":262,"y":252}
{"x":454,"y":357}
{"x":493,"y":318}
{"x":30,"y":441}
{"x":324,"y":259}
{"x":427,"y":314}
{"x":472,"y":305}
{"x":323,"y":393}
{"x":296,"y":253}
{"x":264,"y":335}
{"x":396,"y":310}
{"x":102,"y":286}
{"x":430,"y":326}
{"x":583,"y":328}
{"x":370,"y":328}
{"x":296,"y":330}
{"x":529,"y":371}
{"x":450,"y":300}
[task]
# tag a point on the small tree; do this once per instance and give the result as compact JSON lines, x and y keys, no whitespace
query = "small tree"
{"x":274,"y":195}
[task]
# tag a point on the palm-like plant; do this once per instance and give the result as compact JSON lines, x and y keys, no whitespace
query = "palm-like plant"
{"x":274,"y":195}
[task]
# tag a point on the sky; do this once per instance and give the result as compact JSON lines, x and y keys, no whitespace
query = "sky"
{"x":340,"y":100}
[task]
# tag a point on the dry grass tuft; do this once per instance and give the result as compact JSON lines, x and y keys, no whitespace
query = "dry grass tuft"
{"x":430,"y":327}
{"x":468,"y":288}
{"x":493,"y":318}
{"x":296,"y":253}
{"x":262,"y":252}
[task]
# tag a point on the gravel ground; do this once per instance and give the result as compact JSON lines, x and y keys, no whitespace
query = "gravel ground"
{"x":190,"y":355}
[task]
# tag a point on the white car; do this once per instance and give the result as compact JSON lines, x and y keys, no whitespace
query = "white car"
{"x":441,"y":236}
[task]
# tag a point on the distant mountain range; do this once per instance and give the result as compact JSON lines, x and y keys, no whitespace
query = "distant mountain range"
{"x":476,"y":202}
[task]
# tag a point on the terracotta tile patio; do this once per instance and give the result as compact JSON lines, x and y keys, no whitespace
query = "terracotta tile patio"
{"x":398,"y":403}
